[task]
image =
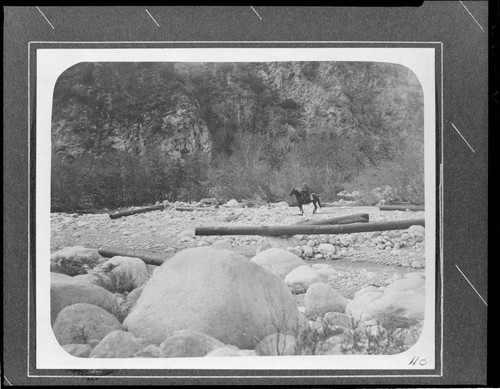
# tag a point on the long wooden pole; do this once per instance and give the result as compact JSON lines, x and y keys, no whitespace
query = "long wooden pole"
{"x":358,"y":218}
{"x":148,"y":257}
{"x":134,"y":211}
{"x":401,"y":207}
{"x":309,"y":229}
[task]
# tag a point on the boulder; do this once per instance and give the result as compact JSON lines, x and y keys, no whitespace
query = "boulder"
{"x":277,"y":344}
{"x":307,"y":251}
{"x":366,"y":289}
{"x":63,"y":295}
{"x":188,"y":343}
{"x":409,"y":282}
{"x":58,"y":278}
{"x":331,"y":346}
{"x":326,"y":249}
{"x":87,"y":279}
{"x":75,"y":252}
{"x":417,"y":231}
{"x":150,"y":351}
{"x":300,"y":278}
{"x":118,"y":344}
{"x":360,"y":305}
{"x":80,"y":323}
{"x":332,"y":319}
{"x":278,"y":261}
{"x":232,"y":203}
{"x":217,"y":293}
{"x":398,"y":309}
{"x":125,"y":273}
{"x":321,"y":298}
{"x":78,"y":350}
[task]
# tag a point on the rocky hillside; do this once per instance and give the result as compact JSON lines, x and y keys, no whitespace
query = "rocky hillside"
{"x":340,"y":116}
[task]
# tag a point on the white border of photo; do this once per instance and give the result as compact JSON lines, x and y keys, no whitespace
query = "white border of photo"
{"x":51,"y":63}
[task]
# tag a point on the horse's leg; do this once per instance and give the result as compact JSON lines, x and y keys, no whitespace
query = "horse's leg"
{"x":301,"y":209}
{"x":315,"y":207}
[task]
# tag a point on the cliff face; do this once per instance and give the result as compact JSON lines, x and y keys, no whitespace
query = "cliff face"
{"x":182,"y":108}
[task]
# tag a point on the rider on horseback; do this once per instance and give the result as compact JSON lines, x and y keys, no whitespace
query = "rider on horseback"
{"x":306,"y":195}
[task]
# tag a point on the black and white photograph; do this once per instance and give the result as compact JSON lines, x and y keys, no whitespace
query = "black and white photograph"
{"x":249,"y":195}
{"x":237,"y":208}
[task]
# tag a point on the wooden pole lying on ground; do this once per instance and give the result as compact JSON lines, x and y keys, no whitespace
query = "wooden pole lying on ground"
{"x":190,"y":209}
{"x":134,"y":211}
{"x":148,"y":257}
{"x":358,"y":218}
{"x":309,"y":229}
{"x":401,"y":207}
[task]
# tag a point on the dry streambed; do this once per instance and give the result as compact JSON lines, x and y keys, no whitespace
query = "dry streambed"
{"x":357,"y":271}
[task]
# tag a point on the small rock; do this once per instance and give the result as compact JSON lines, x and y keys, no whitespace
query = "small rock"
{"x":300,"y":278}
{"x":223,"y":244}
{"x":78,"y":350}
{"x":307,"y":251}
{"x":337,"y":319}
{"x":188,"y":343}
{"x":117,"y":344}
{"x":150,"y":351}
{"x":232,"y":203}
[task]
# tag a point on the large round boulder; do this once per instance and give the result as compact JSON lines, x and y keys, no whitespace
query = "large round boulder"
{"x":63,"y":295}
{"x":321,"y":298}
{"x":215,"y":292}
{"x":278,"y":261}
{"x":80,"y":323}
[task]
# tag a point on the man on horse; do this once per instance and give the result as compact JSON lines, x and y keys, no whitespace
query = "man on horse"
{"x":306,"y":195}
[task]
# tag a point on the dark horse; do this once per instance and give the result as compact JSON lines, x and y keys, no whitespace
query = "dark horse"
{"x":312,"y":198}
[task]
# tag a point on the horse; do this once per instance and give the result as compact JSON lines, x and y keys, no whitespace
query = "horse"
{"x":313,"y":198}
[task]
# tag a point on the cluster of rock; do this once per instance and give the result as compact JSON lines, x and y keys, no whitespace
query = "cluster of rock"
{"x":215,"y":302}
{"x":332,"y":246}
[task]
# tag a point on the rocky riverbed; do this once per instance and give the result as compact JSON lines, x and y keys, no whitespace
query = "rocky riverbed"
{"x":361,"y":259}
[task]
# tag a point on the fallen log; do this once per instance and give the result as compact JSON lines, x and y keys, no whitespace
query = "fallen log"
{"x":134,"y":211}
{"x":401,"y":207}
{"x":358,"y":218}
{"x":191,"y":209}
{"x":148,"y":257}
{"x":309,"y":229}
